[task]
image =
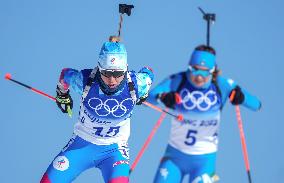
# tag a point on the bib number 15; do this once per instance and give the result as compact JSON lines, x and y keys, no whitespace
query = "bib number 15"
{"x":111,"y":132}
{"x":190,"y":137}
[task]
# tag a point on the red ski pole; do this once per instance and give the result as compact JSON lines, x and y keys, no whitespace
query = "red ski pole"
{"x":242,"y":136}
{"x":147,"y":142}
{"x":157,"y":125}
{"x":179,"y":116}
{"x":9,"y":77}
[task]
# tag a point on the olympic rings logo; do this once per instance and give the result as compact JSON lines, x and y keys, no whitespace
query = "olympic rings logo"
{"x":197,"y":99}
{"x":110,"y":106}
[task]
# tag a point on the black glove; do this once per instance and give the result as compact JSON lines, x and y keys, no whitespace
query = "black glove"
{"x":142,"y":99}
{"x":239,"y":96}
{"x":169,"y":99}
{"x":63,"y":100}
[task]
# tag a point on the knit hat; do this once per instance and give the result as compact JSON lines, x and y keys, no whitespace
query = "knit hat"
{"x":113,"y":56}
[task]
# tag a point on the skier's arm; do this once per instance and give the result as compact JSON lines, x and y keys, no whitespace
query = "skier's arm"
{"x":168,"y":85}
{"x":243,"y":97}
{"x":71,"y":77}
{"x":144,"y":79}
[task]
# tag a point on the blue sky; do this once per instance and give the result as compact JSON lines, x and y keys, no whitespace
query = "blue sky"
{"x":39,"y":38}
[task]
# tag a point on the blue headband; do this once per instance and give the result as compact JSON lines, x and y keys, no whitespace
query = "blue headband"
{"x":203,"y":58}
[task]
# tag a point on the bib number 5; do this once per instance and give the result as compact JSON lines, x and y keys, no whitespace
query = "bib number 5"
{"x":190,"y":137}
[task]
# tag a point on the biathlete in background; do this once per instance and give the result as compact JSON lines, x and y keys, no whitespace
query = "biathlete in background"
{"x":199,"y":94}
{"x":109,"y":93}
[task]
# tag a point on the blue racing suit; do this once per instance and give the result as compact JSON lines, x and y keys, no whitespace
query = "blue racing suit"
{"x":102,"y":130}
{"x":193,"y":141}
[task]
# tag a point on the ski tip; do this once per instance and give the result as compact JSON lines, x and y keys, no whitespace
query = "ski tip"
{"x":8,"y":76}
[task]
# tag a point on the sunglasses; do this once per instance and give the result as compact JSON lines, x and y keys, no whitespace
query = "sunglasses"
{"x":112,"y":73}
{"x":204,"y":73}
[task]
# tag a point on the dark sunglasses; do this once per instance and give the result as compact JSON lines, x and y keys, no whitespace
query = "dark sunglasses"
{"x":112,"y":73}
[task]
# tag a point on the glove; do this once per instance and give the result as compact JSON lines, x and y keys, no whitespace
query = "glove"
{"x":64,"y":101}
{"x":170,"y":99}
{"x":142,"y":99}
{"x":238,"y":97}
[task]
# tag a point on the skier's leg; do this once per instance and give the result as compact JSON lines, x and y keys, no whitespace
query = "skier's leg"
{"x":168,"y":172}
{"x":69,"y":163}
{"x":115,"y":167}
{"x":203,"y":168}
{"x":201,"y":178}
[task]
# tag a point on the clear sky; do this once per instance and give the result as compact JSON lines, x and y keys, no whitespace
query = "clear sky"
{"x":38,"y":38}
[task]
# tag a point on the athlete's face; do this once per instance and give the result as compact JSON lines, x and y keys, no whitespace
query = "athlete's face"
{"x":112,"y":78}
{"x":200,"y":75}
